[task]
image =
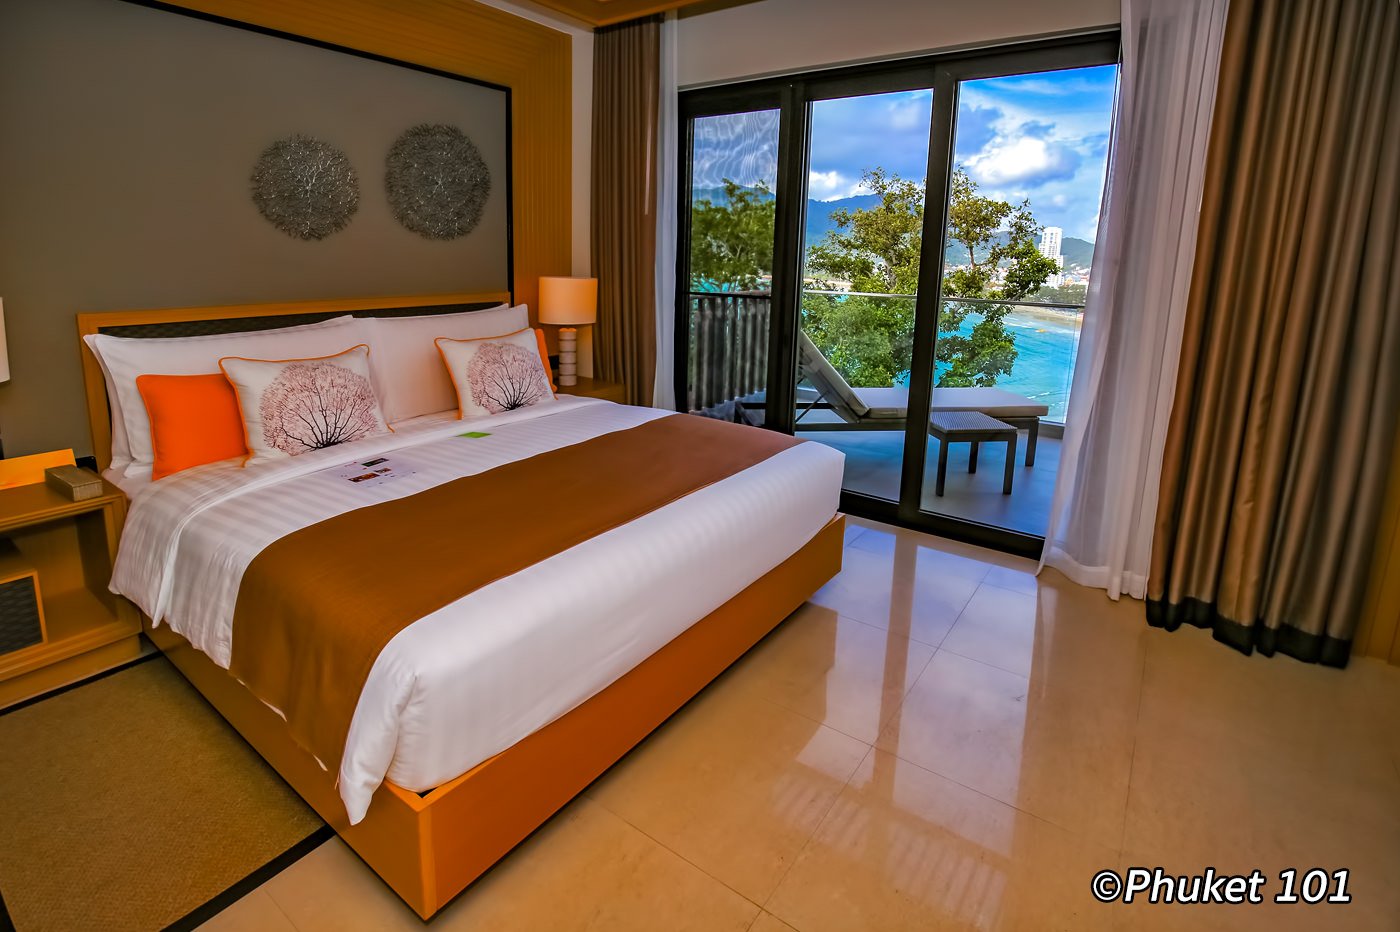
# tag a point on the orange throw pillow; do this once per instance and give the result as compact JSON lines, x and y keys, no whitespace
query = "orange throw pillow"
{"x":194,"y":420}
{"x":544,"y":358}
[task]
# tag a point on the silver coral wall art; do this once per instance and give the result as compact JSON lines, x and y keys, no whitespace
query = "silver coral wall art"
{"x":305,"y":187}
{"x":437,"y":181}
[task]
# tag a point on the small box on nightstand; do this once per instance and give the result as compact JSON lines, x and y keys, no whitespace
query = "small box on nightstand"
{"x":73,"y":482}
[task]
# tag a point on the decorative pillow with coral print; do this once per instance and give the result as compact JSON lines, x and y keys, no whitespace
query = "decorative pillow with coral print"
{"x":294,"y":406}
{"x":495,"y":374}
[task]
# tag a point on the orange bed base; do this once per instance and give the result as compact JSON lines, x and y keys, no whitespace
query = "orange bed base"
{"x":430,"y":847}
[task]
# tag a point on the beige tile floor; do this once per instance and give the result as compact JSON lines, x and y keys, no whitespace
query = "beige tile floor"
{"x":942,"y":740}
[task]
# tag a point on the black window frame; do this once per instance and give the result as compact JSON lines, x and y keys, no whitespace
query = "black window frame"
{"x":793,"y":95}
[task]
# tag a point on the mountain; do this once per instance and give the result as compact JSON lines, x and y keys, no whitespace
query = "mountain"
{"x":1078,"y":253}
{"x":819,"y":214}
{"x":716,"y":195}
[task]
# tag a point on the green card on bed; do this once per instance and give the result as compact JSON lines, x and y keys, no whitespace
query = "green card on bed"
{"x":475,"y":434}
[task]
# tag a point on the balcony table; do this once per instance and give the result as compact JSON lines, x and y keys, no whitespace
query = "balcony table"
{"x":973,"y":427}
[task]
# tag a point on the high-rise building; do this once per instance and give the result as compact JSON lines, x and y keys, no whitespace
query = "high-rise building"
{"x":1050,"y":248}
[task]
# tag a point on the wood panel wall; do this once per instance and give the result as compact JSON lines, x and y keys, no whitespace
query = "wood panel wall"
{"x":480,"y":42}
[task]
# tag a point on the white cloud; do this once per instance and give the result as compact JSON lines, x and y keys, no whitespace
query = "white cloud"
{"x":832,"y":186}
{"x":910,"y":112}
{"x":1023,"y":160}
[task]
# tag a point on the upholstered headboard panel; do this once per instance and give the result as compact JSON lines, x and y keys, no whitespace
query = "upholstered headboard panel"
{"x":194,"y":328}
{"x":164,"y":323}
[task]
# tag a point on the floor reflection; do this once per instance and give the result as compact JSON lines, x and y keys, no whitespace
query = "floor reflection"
{"x":941,"y":739}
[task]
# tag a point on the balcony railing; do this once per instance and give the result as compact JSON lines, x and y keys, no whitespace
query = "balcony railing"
{"x":910,"y":297}
{"x":729,"y":345}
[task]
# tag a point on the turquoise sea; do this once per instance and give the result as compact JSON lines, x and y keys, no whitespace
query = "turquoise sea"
{"x":1047,"y":344}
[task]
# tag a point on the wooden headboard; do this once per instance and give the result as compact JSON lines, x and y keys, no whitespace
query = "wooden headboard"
{"x":235,"y":318}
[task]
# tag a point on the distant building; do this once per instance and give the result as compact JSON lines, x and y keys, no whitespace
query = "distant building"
{"x":1050,"y":249}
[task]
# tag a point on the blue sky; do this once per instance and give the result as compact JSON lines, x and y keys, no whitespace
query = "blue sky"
{"x":1041,"y":136}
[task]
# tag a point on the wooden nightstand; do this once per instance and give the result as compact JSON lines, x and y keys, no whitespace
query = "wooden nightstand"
{"x":596,"y":388}
{"x":71,"y":545}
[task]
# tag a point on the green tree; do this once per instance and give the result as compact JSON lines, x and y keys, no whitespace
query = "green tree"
{"x":1065,"y":294}
{"x":1003,"y":263}
{"x":731,"y":242}
{"x":876,"y":249}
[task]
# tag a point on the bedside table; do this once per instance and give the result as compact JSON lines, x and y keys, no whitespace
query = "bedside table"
{"x":596,"y":388}
{"x":70,"y":546}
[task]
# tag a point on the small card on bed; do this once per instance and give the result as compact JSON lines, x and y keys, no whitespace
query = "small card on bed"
{"x":475,"y":434}
{"x":372,"y":472}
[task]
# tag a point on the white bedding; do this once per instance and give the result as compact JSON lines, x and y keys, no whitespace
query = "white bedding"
{"x":475,"y":677}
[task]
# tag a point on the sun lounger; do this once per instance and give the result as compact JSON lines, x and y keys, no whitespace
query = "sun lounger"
{"x":888,"y":408}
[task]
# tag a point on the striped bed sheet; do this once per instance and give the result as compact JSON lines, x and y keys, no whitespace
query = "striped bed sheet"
{"x":473,"y":678}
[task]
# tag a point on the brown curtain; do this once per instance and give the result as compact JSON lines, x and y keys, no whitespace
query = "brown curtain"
{"x":626,"y":88}
{"x":1278,"y":452}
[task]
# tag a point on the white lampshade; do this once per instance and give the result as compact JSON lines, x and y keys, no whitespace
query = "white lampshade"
{"x":568,"y":302}
{"x":4,"y":350}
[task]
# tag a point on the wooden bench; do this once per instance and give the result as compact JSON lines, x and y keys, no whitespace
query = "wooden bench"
{"x":973,"y":427}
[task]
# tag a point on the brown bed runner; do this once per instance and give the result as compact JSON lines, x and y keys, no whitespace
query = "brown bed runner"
{"x":316,"y":607}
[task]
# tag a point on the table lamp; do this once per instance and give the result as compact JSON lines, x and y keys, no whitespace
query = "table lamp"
{"x":568,"y":303}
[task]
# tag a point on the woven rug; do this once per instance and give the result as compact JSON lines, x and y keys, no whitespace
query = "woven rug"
{"x":127,"y":802}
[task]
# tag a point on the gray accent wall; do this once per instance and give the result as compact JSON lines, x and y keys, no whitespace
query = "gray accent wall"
{"x":127,"y":138}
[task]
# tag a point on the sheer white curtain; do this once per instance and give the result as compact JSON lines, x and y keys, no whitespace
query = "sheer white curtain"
{"x":664,"y":389}
{"x":1105,"y":502}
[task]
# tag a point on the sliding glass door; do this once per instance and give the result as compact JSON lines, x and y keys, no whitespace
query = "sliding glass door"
{"x":868,"y":155}
{"x":725,"y":297}
{"x":891,"y":260}
{"x":1030,"y":150}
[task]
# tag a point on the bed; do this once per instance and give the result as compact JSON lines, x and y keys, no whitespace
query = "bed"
{"x":480,"y":719}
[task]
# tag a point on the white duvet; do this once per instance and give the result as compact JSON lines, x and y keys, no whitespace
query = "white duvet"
{"x":473,"y":678}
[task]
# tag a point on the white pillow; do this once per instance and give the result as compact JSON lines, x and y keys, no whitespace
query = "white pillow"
{"x":124,"y":358}
{"x":408,"y":373}
{"x":496,"y":374}
{"x":294,"y":406}
{"x":121,"y":449}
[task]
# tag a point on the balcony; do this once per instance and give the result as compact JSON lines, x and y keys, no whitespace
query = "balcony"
{"x":728,"y":367}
